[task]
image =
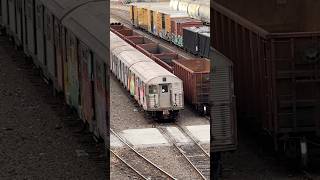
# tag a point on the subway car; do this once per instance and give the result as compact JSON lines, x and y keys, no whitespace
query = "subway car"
{"x":67,"y":41}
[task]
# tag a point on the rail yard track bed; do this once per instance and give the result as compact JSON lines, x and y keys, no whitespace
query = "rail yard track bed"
{"x":40,"y":137}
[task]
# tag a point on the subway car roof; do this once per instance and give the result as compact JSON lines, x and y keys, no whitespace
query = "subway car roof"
{"x":89,"y":24}
{"x":149,"y":71}
{"x":60,"y":8}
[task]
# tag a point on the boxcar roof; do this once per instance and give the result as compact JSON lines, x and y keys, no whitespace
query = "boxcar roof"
{"x":273,"y":17}
{"x":89,"y":24}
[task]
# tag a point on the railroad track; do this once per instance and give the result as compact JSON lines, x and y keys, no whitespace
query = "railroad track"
{"x":138,"y":163}
{"x":197,"y":157}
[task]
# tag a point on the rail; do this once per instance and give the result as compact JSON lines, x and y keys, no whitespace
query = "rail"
{"x":200,"y":161}
{"x":153,"y":169}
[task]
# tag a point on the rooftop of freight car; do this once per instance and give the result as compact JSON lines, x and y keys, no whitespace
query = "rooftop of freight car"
{"x":150,"y":4}
{"x":173,"y":13}
{"x":201,"y":29}
{"x":278,"y":16}
{"x":195,"y":65}
{"x":185,"y":19}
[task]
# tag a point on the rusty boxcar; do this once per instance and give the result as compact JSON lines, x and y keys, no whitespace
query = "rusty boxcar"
{"x":195,"y":75}
{"x":275,"y":47}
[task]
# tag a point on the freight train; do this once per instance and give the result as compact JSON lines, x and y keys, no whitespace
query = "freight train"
{"x":156,"y":90}
{"x":277,"y":68}
{"x":173,"y":26}
{"x":66,"y":39}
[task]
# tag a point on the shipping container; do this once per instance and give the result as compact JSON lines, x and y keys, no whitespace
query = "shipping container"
{"x":222,"y":103}
{"x":177,"y":25}
{"x":195,"y":75}
{"x":191,"y":38}
{"x":164,"y":22}
{"x":275,"y":48}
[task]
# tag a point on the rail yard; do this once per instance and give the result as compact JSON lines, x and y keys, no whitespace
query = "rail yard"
{"x":241,"y":104}
{"x":234,"y":164}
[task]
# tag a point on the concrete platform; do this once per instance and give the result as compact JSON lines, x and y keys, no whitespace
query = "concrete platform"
{"x":115,"y":142}
{"x":144,"y":137}
{"x":177,"y":135}
{"x":200,"y":133}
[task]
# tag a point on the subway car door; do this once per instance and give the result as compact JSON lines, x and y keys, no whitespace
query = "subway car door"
{"x":19,"y":22}
{"x":48,"y":46}
{"x":40,"y":35}
{"x":4,"y":12}
{"x":12,"y":23}
{"x":58,"y":55}
{"x":86,"y":86}
{"x":100,"y":92}
{"x":65,"y":61}
{"x":164,"y":96}
{"x":24,"y":27}
{"x":31,"y":30}
{"x":73,"y":71}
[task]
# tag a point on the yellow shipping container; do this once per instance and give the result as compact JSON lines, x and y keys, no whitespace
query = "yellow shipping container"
{"x":168,"y":16}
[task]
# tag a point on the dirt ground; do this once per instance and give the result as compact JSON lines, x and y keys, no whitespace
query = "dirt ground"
{"x":40,"y":137}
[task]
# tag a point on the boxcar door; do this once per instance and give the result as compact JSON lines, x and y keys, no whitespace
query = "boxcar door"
{"x":86,"y":75}
{"x":164,"y":95}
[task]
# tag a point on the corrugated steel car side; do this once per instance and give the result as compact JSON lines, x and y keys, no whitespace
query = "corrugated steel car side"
{"x":196,"y":73}
{"x":222,"y":103}
{"x":277,"y":74}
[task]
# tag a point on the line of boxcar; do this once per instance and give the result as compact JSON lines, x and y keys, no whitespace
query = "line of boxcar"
{"x":170,"y":60}
{"x":66,"y":39}
{"x":159,"y":19}
{"x":277,"y":66}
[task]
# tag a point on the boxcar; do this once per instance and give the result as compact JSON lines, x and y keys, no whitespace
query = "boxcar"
{"x":276,"y":64}
{"x":195,"y":74}
{"x":177,"y":25}
{"x":191,"y":38}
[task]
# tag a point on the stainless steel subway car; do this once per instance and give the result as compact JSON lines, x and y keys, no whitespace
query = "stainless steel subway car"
{"x":155,"y":89}
{"x":67,"y":40}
